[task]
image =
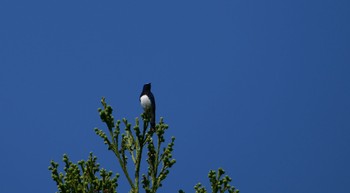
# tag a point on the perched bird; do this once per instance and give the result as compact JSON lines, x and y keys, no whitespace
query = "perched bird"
{"x":148,"y":103}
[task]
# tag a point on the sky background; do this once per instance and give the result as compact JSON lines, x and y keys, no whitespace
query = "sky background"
{"x":259,"y":88}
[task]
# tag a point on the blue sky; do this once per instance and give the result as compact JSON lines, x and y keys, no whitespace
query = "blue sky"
{"x":260,"y":88}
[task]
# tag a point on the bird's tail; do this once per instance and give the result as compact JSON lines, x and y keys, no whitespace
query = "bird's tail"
{"x":153,"y":123}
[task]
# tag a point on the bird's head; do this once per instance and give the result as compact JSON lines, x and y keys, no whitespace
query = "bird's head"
{"x":147,"y":86}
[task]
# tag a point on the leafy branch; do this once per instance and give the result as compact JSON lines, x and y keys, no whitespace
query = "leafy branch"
{"x":131,"y":143}
{"x":127,"y":143}
{"x":218,"y":183}
{"x":83,"y":177}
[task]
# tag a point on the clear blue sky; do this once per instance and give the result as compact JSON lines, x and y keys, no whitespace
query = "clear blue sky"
{"x":260,"y":88}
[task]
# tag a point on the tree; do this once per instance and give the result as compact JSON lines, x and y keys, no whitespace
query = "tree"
{"x":88,"y":177}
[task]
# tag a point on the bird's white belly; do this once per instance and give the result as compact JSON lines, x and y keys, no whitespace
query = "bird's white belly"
{"x":145,"y":102}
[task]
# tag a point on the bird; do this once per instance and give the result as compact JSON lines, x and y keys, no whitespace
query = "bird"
{"x":148,"y":104}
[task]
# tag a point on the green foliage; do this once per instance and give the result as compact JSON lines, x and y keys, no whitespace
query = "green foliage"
{"x":129,"y":144}
{"x":82,"y":177}
{"x":132,"y":142}
{"x":218,"y":183}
